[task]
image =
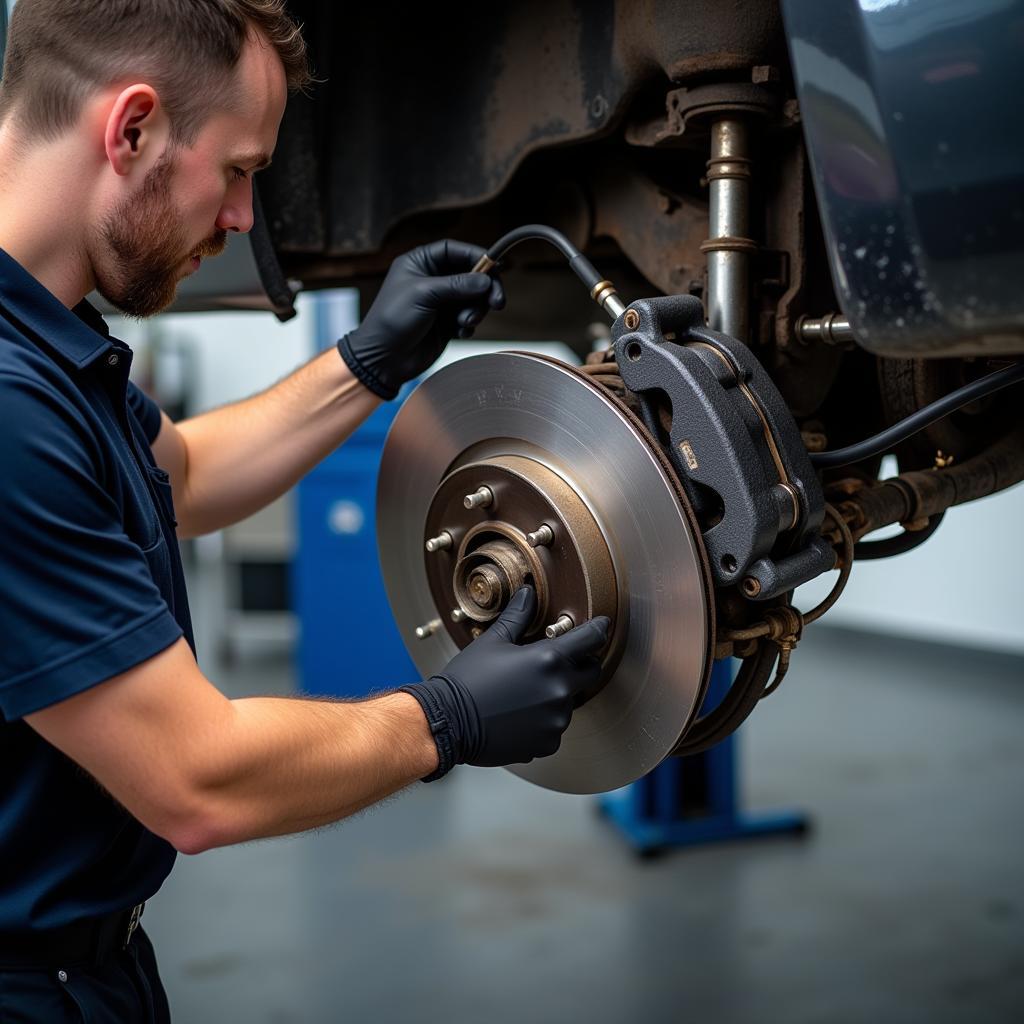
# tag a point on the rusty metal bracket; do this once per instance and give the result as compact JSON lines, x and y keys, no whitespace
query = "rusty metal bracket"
{"x":689,"y":107}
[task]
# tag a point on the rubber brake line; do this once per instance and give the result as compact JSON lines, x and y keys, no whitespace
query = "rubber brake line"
{"x":601,"y":291}
{"x":924,"y":417}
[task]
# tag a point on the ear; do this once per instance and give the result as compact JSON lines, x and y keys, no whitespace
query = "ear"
{"x":136,"y":133}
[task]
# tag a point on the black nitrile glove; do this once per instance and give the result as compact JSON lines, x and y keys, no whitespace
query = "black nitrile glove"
{"x":498,"y":702}
{"x":427,"y":298}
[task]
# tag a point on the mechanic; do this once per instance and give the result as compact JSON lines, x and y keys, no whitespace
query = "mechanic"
{"x":129,"y":134}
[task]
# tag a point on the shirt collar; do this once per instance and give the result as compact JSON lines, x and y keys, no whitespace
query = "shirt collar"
{"x":80,"y":335}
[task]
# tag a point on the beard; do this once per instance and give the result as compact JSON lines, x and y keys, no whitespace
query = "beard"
{"x":145,"y":246}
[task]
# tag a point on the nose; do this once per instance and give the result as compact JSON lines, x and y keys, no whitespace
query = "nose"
{"x":236,"y":210}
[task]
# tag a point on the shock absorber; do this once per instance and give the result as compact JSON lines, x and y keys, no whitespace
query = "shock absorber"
{"x":728,"y":249}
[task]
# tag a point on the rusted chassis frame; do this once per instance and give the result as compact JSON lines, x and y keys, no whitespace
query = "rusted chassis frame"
{"x":423,"y":112}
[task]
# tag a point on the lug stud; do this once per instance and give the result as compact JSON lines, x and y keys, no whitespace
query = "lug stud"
{"x":561,"y":625}
{"x":429,"y":629}
{"x":441,"y":542}
{"x":458,"y":615}
{"x":482,"y":497}
{"x":541,"y":537}
{"x":475,"y":632}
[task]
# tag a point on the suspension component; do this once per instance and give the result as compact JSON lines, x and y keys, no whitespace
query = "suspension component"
{"x":728,"y":248}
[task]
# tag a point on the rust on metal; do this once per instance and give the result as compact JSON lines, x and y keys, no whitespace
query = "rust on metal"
{"x":570,"y":567}
{"x":659,"y":230}
{"x":728,"y":243}
{"x":923,"y":493}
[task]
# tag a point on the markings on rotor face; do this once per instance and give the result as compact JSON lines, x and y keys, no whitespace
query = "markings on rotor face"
{"x":500,"y":394}
{"x":687,"y":449}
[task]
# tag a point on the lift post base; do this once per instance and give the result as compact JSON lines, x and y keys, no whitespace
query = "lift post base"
{"x":693,"y":800}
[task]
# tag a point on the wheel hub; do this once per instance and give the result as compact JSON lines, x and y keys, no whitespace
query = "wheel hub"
{"x":531,"y":528}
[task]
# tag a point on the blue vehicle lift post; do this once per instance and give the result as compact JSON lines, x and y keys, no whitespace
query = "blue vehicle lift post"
{"x":686,"y":801}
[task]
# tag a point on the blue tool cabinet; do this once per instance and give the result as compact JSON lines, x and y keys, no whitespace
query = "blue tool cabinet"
{"x":348,"y":643}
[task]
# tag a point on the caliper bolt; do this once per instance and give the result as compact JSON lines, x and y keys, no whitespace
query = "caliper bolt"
{"x":458,"y":615}
{"x":429,"y":629}
{"x":482,"y":497}
{"x":541,"y":537}
{"x":441,"y":542}
{"x":751,"y":586}
{"x":631,"y":320}
{"x":561,"y":625}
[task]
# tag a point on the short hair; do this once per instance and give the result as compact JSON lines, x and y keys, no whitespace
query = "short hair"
{"x":59,"y":52}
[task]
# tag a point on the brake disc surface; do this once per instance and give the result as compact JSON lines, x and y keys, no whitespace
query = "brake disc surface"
{"x":549,"y":440}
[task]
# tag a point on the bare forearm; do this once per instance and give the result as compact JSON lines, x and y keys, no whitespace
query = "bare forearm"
{"x":203,"y":771}
{"x":277,"y":766}
{"x":241,"y":457}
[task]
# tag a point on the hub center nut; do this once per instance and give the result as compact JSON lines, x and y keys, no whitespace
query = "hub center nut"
{"x":487,"y":577}
{"x":484,"y":586}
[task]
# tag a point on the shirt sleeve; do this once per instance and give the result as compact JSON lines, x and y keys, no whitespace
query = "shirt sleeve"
{"x":78,"y":604}
{"x":147,"y":412}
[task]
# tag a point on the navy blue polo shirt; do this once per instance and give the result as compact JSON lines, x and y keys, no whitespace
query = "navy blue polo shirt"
{"x":90,"y":586}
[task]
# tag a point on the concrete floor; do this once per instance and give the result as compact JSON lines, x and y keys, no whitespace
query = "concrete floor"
{"x":484,"y":899}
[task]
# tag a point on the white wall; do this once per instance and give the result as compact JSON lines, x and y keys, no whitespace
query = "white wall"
{"x":228,"y":355}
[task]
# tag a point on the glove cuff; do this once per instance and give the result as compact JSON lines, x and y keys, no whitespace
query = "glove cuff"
{"x":440,"y":728}
{"x":364,"y":374}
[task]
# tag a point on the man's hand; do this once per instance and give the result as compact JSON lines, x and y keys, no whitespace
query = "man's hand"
{"x":427,"y":298}
{"x":499,"y":703}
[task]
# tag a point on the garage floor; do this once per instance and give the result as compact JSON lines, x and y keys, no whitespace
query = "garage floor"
{"x":483,"y":899}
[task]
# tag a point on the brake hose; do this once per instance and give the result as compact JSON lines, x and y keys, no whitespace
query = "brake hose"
{"x":601,"y":291}
{"x":924,"y":417}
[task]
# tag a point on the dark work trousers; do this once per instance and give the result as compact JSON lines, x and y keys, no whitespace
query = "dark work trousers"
{"x":124,"y":989}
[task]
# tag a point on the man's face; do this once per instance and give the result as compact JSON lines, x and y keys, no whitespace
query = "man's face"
{"x":149,"y":247}
{"x":157,"y":234}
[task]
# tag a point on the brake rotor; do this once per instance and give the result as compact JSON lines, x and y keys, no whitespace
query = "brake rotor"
{"x":509,"y":468}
